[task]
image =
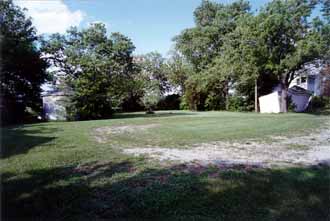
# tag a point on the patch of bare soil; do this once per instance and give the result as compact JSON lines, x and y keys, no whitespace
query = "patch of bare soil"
{"x":102,"y":134}
{"x":283,"y":151}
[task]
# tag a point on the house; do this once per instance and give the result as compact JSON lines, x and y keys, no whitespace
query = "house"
{"x":54,"y":105}
{"x":312,"y":80}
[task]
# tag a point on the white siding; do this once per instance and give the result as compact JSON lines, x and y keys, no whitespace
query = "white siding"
{"x":270,"y":103}
{"x":54,"y":108}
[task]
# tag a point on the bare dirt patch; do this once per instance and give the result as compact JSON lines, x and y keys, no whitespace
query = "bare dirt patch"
{"x":299,"y":150}
{"x":102,"y":134}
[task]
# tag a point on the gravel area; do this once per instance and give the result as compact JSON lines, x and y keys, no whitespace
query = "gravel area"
{"x":310,"y":149}
{"x":102,"y":134}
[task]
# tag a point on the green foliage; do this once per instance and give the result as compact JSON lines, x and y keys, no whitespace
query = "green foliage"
{"x":178,"y":71}
{"x":194,"y":96}
{"x":22,"y":68}
{"x":239,"y":103}
{"x":98,"y":69}
{"x":203,"y":47}
{"x":231,"y":48}
{"x":169,"y":102}
{"x":153,"y":68}
{"x":318,"y":102}
{"x":152,"y":95}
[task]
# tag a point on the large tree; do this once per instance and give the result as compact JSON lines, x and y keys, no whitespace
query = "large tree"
{"x":98,"y":69}
{"x":153,"y":68}
{"x":232,"y":48}
{"x":178,"y":71}
{"x":290,"y":40}
{"x":22,"y":69}
{"x":202,"y":46}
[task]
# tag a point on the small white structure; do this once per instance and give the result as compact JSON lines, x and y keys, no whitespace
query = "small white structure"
{"x":270,"y":103}
{"x":54,"y":106}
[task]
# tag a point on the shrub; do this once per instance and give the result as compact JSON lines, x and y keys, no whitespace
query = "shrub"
{"x":183,"y":104}
{"x":318,"y":103}
{"x":170,"y":102}
{"x":239,"y":103}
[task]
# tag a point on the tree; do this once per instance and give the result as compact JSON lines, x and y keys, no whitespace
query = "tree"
{"x":290,"y":40}
{"x":178,"y":71}
{"x":152,"y":95}
{"x":202,"y":46}
{"x":22,"y":68}
{"x":98,"y":69}
{"x":233,"y":49}
{"x":153,"y":67}
{"x":243,"y":58}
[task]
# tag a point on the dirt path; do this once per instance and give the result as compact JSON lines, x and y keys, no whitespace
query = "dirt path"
{"x":301,"y":150}
{"x":102,"y":134}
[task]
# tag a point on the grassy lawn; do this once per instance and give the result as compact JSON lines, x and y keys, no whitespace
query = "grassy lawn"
{"x":58,"y":170}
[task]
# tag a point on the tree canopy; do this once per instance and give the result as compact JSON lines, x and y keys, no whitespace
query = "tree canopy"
{"x":22,"y":68}
{"x":98,"y":69}
{"x":232,"y":49}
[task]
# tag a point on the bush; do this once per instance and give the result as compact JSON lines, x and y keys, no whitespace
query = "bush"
{"x":215,"y":102}
{"x":170,"y":102}
{"x":318,"y":103}
{"x":239,"y":103}
{"x":183,"y":104}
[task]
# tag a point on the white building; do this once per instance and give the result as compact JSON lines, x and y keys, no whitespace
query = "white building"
{"x":54,"y":105}
{"x":309,"y":80}
{"x":312,"y":80}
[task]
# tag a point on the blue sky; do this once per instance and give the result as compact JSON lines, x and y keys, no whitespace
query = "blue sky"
{"x":151,"y":24}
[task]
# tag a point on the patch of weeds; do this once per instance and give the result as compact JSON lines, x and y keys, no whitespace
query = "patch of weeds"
{"x":296,"y":146}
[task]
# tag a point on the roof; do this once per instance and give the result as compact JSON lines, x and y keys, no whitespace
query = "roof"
{"x":296,"y":90}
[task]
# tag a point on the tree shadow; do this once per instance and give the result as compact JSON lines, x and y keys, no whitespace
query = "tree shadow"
{"x":20,"y":139}
{"x":181,"y":192}
{"x":320,"y":112}
{"x":155,"y":115}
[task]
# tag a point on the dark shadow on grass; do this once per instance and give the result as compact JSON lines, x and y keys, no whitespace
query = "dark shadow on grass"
{"x":113,"y":191}
{"x":156,"y":114}
{"x":320,"y":113}
{"x":20,"y":139}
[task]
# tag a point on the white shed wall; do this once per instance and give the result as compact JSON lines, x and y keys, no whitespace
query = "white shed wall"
{"x":270,"y":103}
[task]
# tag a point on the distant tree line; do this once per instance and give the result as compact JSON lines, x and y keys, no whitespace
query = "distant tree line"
{"x":229,"y":58}
{"x":231,"y":48}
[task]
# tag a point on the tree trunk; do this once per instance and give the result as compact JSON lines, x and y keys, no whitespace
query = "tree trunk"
{"x":256,"y":109}
{"x":226,"y":95}
{"x":150,"y":110}
{"x":284,"y":99}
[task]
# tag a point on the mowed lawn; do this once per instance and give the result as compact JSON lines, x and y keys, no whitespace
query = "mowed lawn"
{"x":60,"y":170}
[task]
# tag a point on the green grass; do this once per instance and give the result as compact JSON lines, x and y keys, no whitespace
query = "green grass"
{"x":57,"y":170}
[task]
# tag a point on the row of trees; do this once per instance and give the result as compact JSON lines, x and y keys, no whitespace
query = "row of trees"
{"x":231,"y":48}
{"x":226,"y":61}
{"x":96,"y":69}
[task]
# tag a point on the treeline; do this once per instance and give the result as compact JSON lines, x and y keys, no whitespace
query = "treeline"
{"x":237,"y":55}
{"x":225,"y":62}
